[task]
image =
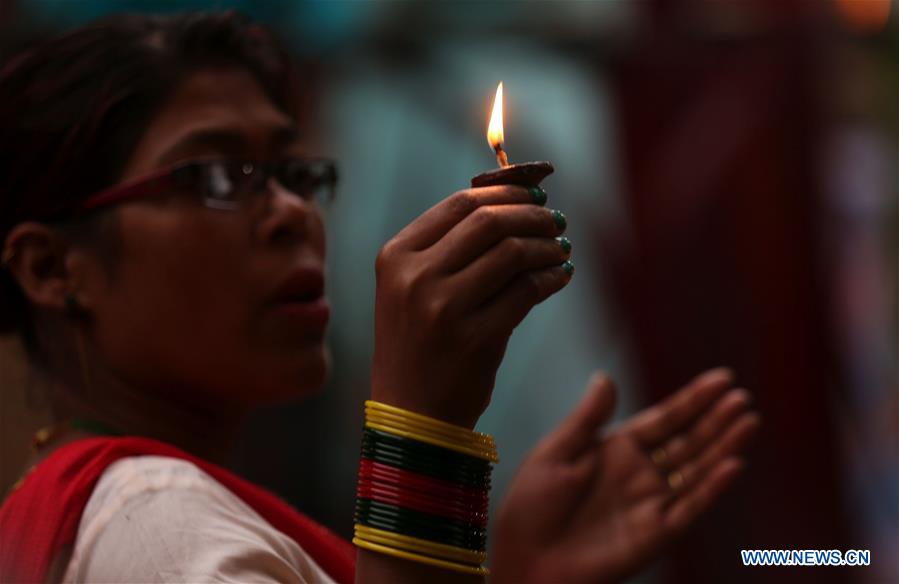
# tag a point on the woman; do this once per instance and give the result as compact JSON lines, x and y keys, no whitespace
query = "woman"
{"x":163,"y":254}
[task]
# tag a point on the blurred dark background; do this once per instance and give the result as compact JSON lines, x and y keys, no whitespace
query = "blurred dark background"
{"x":729,"y":171}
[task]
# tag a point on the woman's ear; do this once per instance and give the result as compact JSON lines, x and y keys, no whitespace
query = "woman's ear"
{"x":36,"y":256}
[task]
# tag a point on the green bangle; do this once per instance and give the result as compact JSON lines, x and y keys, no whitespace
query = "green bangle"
{"x":424,"y":458}
{"x":434,"y":530}
{"x":420,"y":517}
{"x":417,"y":524}
{"x":395,"y":526}
{"x":431,"y":452}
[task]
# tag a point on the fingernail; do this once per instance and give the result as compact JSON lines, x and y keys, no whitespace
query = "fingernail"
{"x":565,"y":243}
{"x":538,"y":195}
{"x":568,"y":266}
{"x":723,"y":372}
{"x":743,"y":395}
{"x":746,"y":396}
{"x":559,"y":218}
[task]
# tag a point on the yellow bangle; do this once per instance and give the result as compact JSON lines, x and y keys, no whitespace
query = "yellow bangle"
{"x":455,"y":431}
{"x":418,"y":549}
{"x":413,"y":426}
{"x":374,"y":405}
{"x":490,"y":456}
{"x":455,"y":566}
{"x":433,"y":431}
{"x":414,"y":544}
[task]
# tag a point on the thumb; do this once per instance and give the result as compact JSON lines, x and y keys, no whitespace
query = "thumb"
{"x":578,"y":430}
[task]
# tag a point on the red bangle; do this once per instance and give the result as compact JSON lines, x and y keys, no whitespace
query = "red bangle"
{"x":436,"y":512}
{"x":423,"y":484}
{"x":436,"y":502}
{"x":367,"y":490}
{"x":431,"y":482}
{"x":437,"y":499}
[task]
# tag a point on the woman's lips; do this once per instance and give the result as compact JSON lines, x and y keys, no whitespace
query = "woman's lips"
{"x":312,"y":314}
{"x":300,"y":299}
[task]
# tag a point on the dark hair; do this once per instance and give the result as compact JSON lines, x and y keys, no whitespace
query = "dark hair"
{"x":73,"y":109}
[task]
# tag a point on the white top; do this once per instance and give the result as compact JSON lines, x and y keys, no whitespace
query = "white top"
{"x":161,"y":519}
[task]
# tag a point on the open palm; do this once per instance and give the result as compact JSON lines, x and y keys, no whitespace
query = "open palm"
{"x":589,"y":508}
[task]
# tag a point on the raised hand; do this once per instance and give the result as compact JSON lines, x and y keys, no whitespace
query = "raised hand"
{"x":451,"y":288}
{"x":590,"y":508}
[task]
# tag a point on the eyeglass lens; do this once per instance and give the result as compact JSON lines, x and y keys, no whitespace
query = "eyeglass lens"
{"x":223,"y":184}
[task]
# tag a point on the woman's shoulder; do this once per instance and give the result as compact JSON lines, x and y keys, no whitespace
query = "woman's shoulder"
{"x":152,"y":517}
{"x":136,"y":479}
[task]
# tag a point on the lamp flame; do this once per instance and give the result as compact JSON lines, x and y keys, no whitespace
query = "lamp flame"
{"x":495,"y":128}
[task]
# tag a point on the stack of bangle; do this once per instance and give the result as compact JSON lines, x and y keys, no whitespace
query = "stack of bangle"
{"x":423,"y":489}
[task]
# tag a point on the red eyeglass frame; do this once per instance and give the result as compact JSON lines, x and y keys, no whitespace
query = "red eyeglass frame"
{"x":165,"y":179}
{"x":145,"y":186}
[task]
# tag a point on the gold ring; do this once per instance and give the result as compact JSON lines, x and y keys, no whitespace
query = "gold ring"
{"x":659,"y":456}
{"x":675,"y":480}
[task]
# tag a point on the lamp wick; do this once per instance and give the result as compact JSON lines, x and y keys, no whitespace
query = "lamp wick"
{"x":501,"y":157}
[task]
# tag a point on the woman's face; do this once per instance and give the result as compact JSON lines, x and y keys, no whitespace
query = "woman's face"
{"x":208,"y":303}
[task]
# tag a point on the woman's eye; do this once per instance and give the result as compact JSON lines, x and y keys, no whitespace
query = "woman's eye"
{"x":219,"y":184}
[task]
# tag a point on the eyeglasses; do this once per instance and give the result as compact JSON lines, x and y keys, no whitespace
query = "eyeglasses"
{"x":226,"y":183}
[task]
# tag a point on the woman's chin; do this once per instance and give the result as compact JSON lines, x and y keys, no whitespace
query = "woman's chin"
{"x":301,"y":378}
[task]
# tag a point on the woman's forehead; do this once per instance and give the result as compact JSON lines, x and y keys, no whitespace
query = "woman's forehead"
{"x":217,"y":106}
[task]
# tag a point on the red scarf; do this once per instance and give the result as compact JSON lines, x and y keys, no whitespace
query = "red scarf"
{"x":41,"y":516}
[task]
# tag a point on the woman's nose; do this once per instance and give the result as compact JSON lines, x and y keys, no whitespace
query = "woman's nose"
{"x":287,"y":216}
